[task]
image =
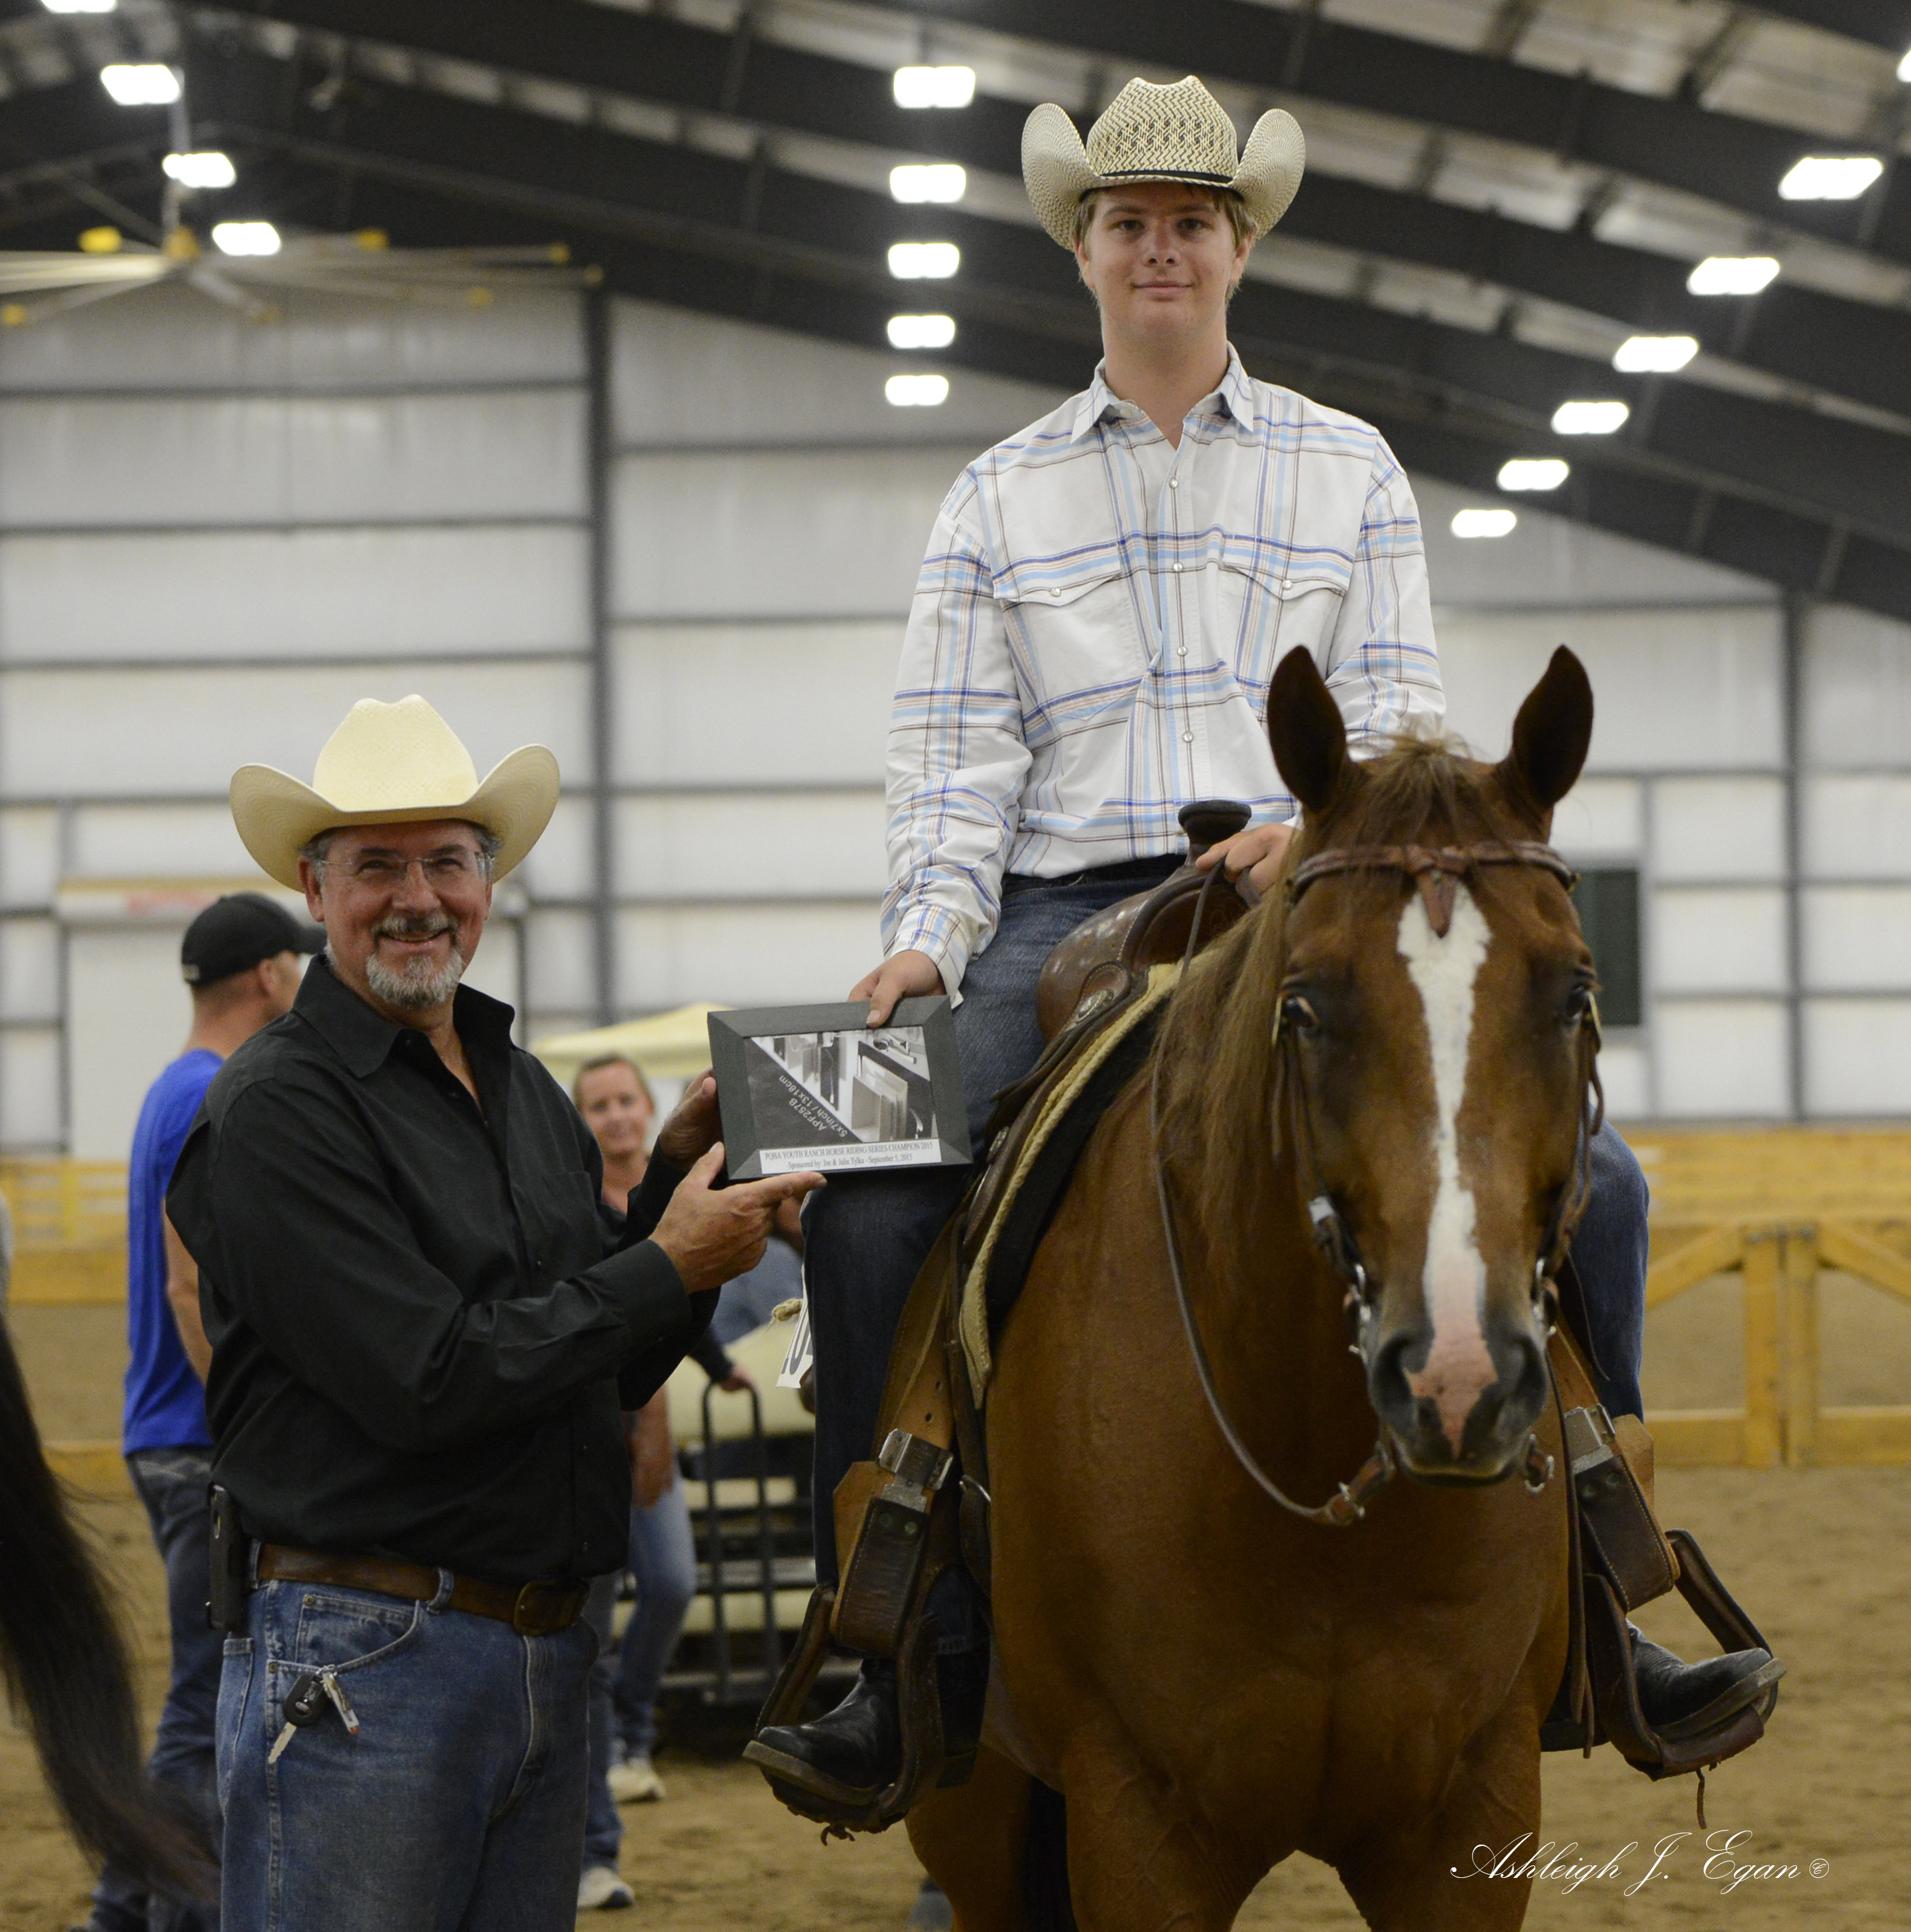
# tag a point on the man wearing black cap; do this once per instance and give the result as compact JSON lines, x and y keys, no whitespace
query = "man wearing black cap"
{"x":241,"y":959}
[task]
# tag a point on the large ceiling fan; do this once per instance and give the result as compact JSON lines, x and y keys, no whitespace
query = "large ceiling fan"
{"x":245,"y":264}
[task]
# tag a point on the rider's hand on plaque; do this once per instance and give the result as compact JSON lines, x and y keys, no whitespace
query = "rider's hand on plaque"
{"x":1253,"y":858}
{"x":902,"y":977}
{"x":692,"y":1128}
{"x":713,"y":1234}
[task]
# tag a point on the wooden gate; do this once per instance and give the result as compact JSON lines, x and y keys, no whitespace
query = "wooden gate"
{"x":1781,"y":1207}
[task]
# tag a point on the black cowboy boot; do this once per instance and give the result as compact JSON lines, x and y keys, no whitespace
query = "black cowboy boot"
{"x":1684,"y":1700}
{"x":849,"y":1757}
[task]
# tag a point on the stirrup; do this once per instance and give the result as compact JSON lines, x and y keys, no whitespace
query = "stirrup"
{"x":813,"y":1794}
{"x":1617,"y":1717}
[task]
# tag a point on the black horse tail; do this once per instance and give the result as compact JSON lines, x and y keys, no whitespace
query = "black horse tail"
{"x":1045,"y":1901}
{"x":66,"y":1669}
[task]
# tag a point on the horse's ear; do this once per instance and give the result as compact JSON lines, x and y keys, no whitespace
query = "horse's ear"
{"x":1304,"y":728}
{"x":1550,"y":735}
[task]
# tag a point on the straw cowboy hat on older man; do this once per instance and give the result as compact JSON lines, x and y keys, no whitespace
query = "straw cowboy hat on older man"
{"x":394,"y":764}
{"x":1153,"y":133}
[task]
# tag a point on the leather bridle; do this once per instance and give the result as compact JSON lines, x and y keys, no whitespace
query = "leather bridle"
{"x":1437,"y":872}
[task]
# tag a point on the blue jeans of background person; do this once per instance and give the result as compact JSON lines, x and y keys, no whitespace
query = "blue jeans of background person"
{"x":867,"y":1235}
{"x":459,"y":1806}
{"x":603,"y":1828}
{"x":663,"y":1559}
{"x":172,"y":1483}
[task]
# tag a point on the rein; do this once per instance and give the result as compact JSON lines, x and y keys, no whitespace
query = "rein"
{"x":1437,"y":872}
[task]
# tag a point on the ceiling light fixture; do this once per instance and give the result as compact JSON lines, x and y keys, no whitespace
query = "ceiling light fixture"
{"x":204,"y":168}
{"x":1654,"y":355}
{"x":934,"y":86}
{"x":1534,"y":473}
{"x":929,"y":180}
{"x":143,"y":86}
{"x":1830,"y":178}
{"x":1588,"y":418}
{"x":921,"y":332}
{"x":245,"y":238}
{"x":1904,"y":66}
{"x":924,"y":261}
{"x":1732,"y":274}
{"x":1484,"y":523}
{"x":79,"y":6}
{"x":916,"y":392}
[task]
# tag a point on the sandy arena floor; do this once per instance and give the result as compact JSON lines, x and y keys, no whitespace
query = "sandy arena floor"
{"x":1822,"y":1557}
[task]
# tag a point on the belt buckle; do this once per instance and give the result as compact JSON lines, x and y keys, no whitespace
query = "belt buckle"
{"x":542,"y":1607}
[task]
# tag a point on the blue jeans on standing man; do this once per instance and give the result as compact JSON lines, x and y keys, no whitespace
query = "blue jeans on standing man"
{"x":458,"y":1807}
{"x":663,"y":1559}
{"x":867,"y":1235}
{"x":172,"y":1483}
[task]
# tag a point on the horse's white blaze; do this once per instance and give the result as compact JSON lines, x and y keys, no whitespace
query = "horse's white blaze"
{"x":1459,"y":1367}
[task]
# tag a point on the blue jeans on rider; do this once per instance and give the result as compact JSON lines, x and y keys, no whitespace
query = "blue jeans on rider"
{"x":172,"y":1483}
{"x":867,"y":1235}
{"x":460,"y":1804}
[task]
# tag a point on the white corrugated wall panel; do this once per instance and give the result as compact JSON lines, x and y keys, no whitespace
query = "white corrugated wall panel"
{"x":1625,"y":1076}
{"x":185,"y":732}
{"x":1858,"y":1057}
{"x":753,"y":704}
{"x":294,"y":593}
{"x":745,"y":955}
{"x":110,"y":460}
{"x":1672,"y":690}
{"x":1718,"y":829}
{"x":30,"y":1088}
{"x":834,"y":533}
{"x":1857,"y":689}
{"x":29,"y":848}
{"x":1601,"y":816}
{"x":1721,"y":1059}
{"x":823,"y":844}
{"x":139,"y":842}
{"x":689,"y":380}
{"x":29,"y":969}
{"x":562,"y":864}
{"x":1857,"y":827}
{"x":1858,"y":938}
{"x":176,"y":339}
{"x":561,"y":961}
{"x":1712,"y":941}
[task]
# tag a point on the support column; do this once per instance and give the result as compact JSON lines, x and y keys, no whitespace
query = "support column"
{"x":603,"y":870}
{"x":1797,"y":610}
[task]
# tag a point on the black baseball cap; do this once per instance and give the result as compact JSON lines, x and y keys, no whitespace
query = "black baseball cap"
{"x":235,"y":932}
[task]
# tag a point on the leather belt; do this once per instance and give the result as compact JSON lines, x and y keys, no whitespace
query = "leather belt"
{"x":536,"y":1608}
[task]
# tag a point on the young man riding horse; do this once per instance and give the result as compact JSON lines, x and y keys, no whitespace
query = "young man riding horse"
{"x":1095,"y":632}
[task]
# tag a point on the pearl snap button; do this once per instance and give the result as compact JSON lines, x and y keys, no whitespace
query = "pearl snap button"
{"x":1177,"y":570}
{"x":1187,"y":737}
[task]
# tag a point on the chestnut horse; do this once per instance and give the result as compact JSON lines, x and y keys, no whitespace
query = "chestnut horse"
{"x":1210,"y":1681}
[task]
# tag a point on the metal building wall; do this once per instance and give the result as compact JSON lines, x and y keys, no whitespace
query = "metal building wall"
{"x":690,"y":544}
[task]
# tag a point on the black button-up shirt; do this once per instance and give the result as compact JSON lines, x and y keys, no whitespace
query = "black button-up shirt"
{"x":422,"y":1336}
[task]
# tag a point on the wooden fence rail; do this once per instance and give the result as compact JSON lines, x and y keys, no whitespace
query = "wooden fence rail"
{"x":1784,"y":1419}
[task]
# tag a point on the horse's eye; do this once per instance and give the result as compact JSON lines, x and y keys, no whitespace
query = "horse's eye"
{"x":1296,"y":1011}
{"x":1581,"y":1006}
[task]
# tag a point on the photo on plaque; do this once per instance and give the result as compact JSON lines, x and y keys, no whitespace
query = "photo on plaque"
{"x":812,"y":1089}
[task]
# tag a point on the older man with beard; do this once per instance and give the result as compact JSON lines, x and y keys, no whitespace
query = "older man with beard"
{"x":422,"y":1343}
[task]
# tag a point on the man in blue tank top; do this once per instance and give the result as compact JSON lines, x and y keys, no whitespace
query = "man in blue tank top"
{"x":241,"y":959}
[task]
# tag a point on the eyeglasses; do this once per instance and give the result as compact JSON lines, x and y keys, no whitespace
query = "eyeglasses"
{"x":443,"y":871}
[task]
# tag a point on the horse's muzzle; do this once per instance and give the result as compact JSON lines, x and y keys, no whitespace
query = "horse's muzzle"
{"x":1494,"y":1434}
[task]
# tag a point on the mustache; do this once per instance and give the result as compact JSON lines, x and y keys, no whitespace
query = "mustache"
{"x":421,"y":925}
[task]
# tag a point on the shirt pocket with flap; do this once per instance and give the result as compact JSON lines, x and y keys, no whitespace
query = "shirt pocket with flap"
{"x":1079,"y":635}
{"x":1268,"y":608}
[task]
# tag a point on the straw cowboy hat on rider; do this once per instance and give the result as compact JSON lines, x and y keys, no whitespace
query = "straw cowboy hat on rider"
{"x":1150,"y":132}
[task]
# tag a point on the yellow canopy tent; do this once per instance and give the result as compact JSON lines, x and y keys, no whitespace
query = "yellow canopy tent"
{"x":667,"y":1046}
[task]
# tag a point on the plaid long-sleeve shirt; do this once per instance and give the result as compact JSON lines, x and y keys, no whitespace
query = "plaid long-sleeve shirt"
{"x":1097,"y":622}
